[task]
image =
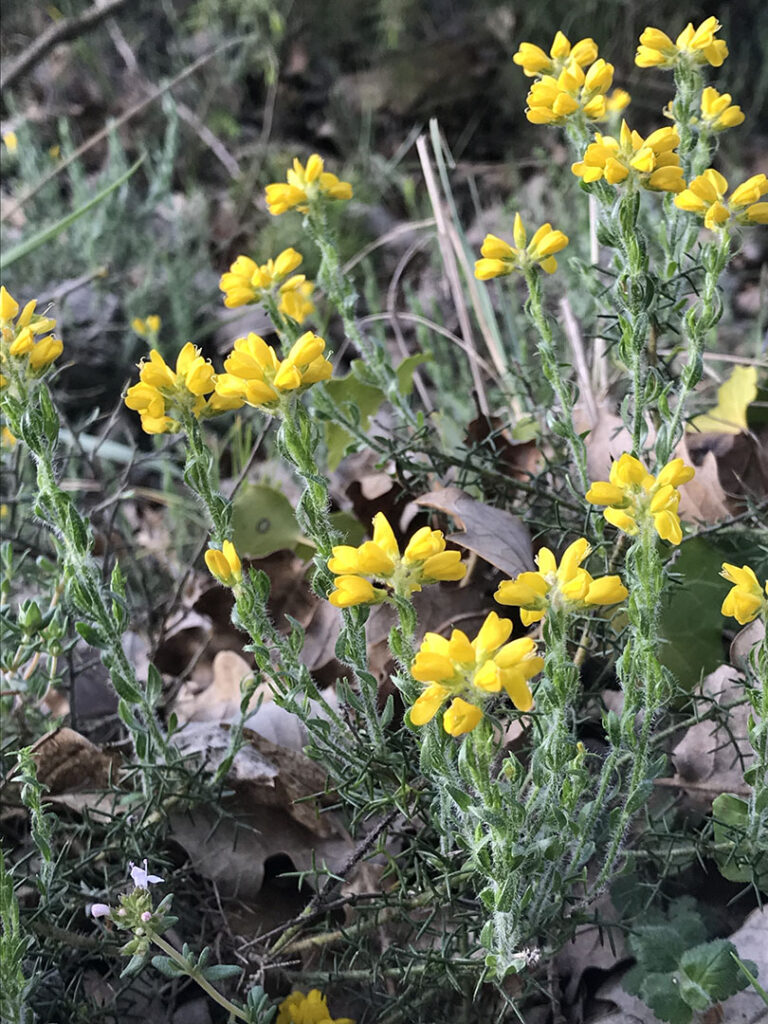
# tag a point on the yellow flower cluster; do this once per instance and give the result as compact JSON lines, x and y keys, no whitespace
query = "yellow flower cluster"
{"x":500,"y":258}
{"x":297,"y":302}
{"x":469,"y":672}
{"x":305,"y":185}
{"x":247,"y":281}
{"x":163,"y":394}
{"x":225,"y":564}
{"x":307,"y":1009}
{"x":534,"y":61}
{"x":635,"y":496}
{"x":553,"y":100}
{"x":565,"y":586}
{"x":571,"y":80}
{"x":424,"y":560}
{"x":746,"y":599}
{"x":256,"y":376}
{"x":652,"y":162}
{"x":693,"y":46}
{"x":147,"y":328}
{"x":705,"y":196}
{"x":717,"y":113}
{"x":26,"y":346}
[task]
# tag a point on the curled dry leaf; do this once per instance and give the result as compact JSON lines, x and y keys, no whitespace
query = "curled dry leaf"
{"x":713,"y":755}
{"x":220,"y":701}
{"x":76,"y":773}
{"x":274,"y":811}
{"x":496,"y":536}
{"x":744,"y":641}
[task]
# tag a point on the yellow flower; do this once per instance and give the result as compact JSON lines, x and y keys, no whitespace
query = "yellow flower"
{"x":225,"y":564}
{"x":149,"y":328}
{"x":309,"y":1009}
{"x":692,"y":46}
{"x":247,"y":282}
{"x":297,"y":302}
{"x":469,"y":672}
{"x":618,"y":100}
{"x":11,"y":141}
{"x":745,"y":601}
{"x":651,"y":161}
{"x":705,"y":196}
{"x":424,"y":560}
{"x":717,"y":112}
{"x":7,"y":439}
{"x":305,"y":185}
{"x":163,"y":393}
{"x":553,"y":100}
{"x":22,"y":350}
{"x":634,"y":496}
{"x":564,"y":586}
{"x":256,"y":376}
{"x":534,"y":61}
{"x":500,"y":258}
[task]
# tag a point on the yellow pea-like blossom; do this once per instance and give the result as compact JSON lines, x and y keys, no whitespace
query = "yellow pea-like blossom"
{"x":692,"y":46}
{"x":469,"y":672}
{"x":163,"y":394}
{"x":705,"y":196}
{"x":7,"y":438}
{"x":27,"y":348}
{"x":296,"y":302}
{"x":256,"y":376}
{"x":148,"y":327}
{"x":617,"y":100}
{"x":500,"y":258}
{"x":10,"y":141}
{"x":305,"y":185}
{"x":746,"y":599}
{"x":307,"y":1009}
{"x":535,"y":62}
{"x":634,"y":496}
{"x":652,"y":162}
{"x":225,"y":564}
{"x":247,"y":281}
{"x":717,"y":112}
{"x":378,"y":561}
{"x":553,"y":100}
{"x":566,"y":585}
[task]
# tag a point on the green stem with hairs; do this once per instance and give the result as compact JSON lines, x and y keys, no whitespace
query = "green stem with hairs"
{"x":33,"y":418}
{"x":697,"y":322}
{"x":563,"y":424}
{"x":342,"y":295}
{"x":643,"y":680}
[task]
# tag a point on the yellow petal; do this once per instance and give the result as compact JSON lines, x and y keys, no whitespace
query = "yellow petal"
{"x":383,"y":535}
{"x":461,"y":717}
{"x":493,"y":633}
{"x":426,"y":706}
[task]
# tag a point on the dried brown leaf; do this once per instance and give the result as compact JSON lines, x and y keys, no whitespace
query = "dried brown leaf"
{"x":496,"y":536}
{"x":711,"y":759}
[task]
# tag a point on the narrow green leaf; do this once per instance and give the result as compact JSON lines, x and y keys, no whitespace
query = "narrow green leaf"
{"x":42,"y":236}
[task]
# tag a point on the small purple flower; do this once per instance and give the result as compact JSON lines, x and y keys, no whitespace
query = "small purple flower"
{"x":100,"y":910}
{"x":146,"y":916}
{"x":140,"y":877}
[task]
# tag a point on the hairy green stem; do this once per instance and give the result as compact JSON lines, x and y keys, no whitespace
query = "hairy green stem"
{"x":36,"y":421}
{"x":697,"y":322}
{"x":564,"y":422}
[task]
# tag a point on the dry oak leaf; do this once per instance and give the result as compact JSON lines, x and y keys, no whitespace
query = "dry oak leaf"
{"x":494,"y":535}
{"x":76,"y":773}
{"x":711,"y":759}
